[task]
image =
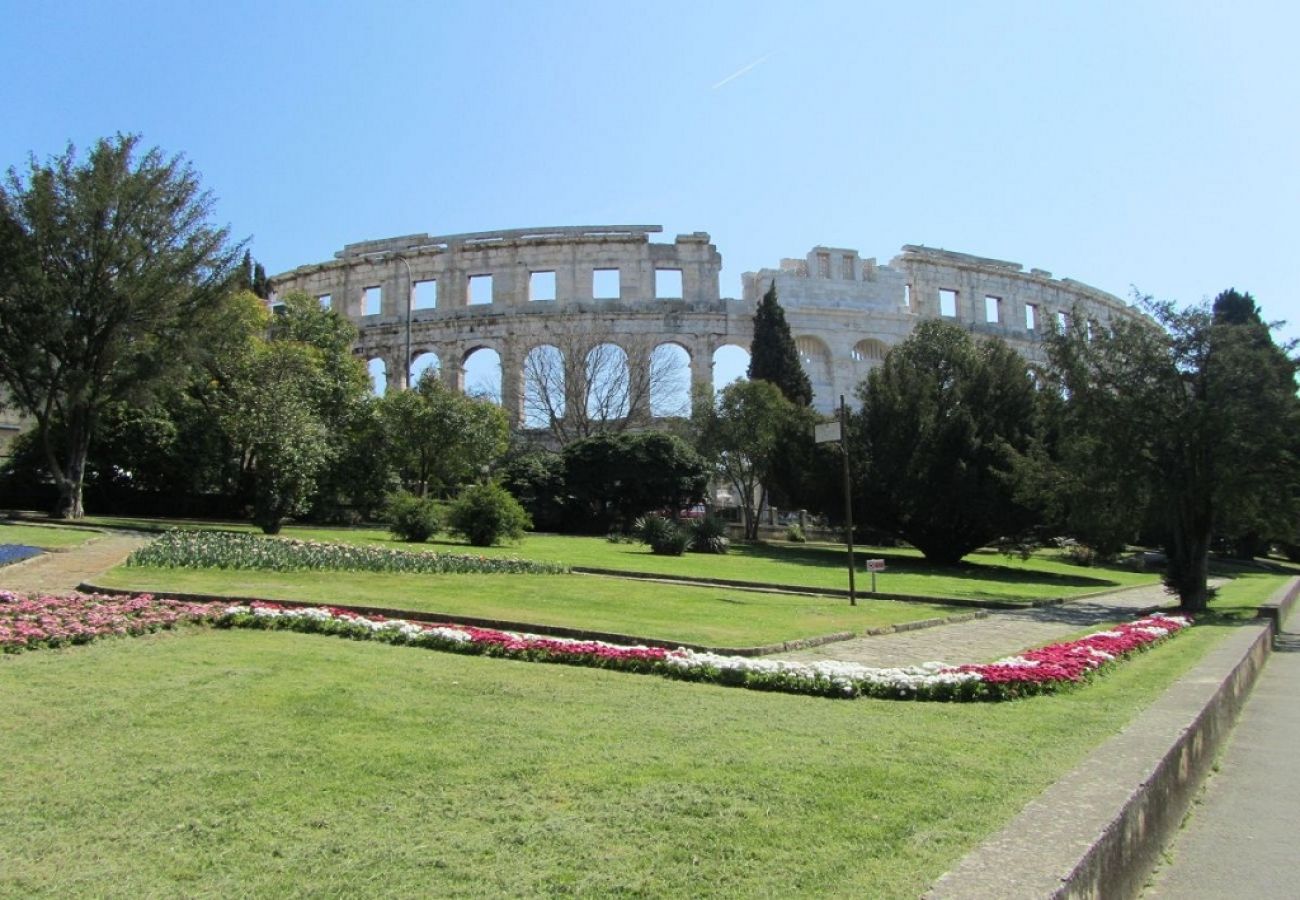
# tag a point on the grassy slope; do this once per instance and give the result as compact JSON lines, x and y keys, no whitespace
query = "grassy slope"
{"x":722,"y":617}
{"x":224,"y":763}
{"x":987,"y":576}
{"x":49,"y":538}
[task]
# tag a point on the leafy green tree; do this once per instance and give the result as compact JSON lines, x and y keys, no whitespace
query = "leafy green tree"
{"x":438,"y":438}
{"x":944,"y":423}
{"x":772,"y":353}
{"x":742,"y":436}
{"x":108,"y":268}
{"x":1193,"y":416}
{"x":536,"y":479}
{"x":611,"y":479}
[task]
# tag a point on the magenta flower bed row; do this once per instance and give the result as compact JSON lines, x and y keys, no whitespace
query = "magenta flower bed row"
{"x":27,"y":623}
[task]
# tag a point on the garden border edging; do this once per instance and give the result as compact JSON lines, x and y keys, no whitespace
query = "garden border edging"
{"x":499,"y":624}
{"x":1130,"y":795}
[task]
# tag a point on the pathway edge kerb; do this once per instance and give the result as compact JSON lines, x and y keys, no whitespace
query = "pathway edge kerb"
{"x":1099,"y":831}
{"x":499,"y":624}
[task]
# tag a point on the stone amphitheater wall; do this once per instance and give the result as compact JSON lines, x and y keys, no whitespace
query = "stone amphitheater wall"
{"x":844,"y":311}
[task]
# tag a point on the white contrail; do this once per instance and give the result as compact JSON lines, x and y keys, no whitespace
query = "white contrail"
{"x":741,"y":71}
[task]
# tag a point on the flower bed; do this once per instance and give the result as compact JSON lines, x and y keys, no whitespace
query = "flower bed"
{"x":232,"y":550}
{"x":29,"y":623}
{"x":12,"y":553}
{"x":33,"y":622}
{"x":1039,"y":671}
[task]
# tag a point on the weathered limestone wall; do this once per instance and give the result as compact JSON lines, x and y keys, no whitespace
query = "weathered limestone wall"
{"x":844,"y":311}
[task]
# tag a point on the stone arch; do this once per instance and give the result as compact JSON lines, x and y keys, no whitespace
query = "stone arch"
{"x":608,"y":377}
{"x":378,"y":371}
{"x":815,"y":357}
{"x":670,"y":380}
{"x":871,"y":351}
{"x":730,"y":363}
{"x":545,"y":381}
{"x":483,"y":376}
{"x":424,"y":361}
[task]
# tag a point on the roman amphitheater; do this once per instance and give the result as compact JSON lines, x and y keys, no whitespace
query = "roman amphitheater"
{"x":421,"y":300}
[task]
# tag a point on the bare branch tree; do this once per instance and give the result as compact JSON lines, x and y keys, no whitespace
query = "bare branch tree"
{"x":583,"y":382}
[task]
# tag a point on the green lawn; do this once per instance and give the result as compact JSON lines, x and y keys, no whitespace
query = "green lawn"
{"x":985,"y":576}
{"x":718,"y":617}
{"x":45,"y":537}
{"x":222,"y":763}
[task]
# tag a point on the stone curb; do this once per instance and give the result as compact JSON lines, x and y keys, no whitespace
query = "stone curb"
{"x":501,"y":625}
{"x":1099,"y":831}
{"x":770,"y":588}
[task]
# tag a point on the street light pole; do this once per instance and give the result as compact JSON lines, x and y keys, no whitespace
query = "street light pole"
{"x":848,"y":497}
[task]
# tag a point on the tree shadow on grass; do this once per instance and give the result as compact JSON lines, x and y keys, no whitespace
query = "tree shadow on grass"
{"x":836,"y":558}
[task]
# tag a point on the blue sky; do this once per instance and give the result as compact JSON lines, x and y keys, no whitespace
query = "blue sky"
{"x":1122,"y":144}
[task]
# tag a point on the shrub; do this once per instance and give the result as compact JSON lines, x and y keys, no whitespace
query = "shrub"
{"x":665,"y":537}
{"x":411,"y":518}
{"x":709,"y":535}
{"x":486,"y":513}
{"x":795,"y":535}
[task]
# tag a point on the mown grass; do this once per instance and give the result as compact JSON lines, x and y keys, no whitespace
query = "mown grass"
{"x":984,"y":576}
{"x":270,"y":763}
{"x":717,"y":617}
{"x":45,"y":537}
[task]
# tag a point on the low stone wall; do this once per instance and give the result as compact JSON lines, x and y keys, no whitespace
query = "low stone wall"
{"x":1099,"y":831}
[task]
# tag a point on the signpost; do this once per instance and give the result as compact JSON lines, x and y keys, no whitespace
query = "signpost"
{"x":834,"y":432}
{"x":874,"y":566}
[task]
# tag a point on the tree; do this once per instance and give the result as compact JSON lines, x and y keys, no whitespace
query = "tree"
{"x":943,"y":425}
{"x":613,"y":478}
{"x":438,"y":438}
{"x":108,"y":267}
{"x":582,"y":383}
{"x":741,"y":434}
{"x":772,"y":354}
{"x":1203,"y":408}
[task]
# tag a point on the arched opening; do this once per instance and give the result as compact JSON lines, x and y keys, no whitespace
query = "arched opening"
{"x":483,"y":374}
{"x":870,"y":351}
{"x":815,"y":357}
{"x":544,"y":380}
{"x":608,"y":382}
{"x":427,"y":361}
{"x":670,"y":381}
{"x":730,"y":363}
{"x":378,"y":376}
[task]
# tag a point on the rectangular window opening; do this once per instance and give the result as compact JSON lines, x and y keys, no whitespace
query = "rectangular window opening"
{"x":325,"y":301}
{"x":846,"y":268}
{"x":480,"y":289}
{"x":426,"y":294}
{"x":992,"y":309}
{"x":541,"y":286}
{"x":947,"y":303}
{"x":907,"y":296}
{"x":824,"y":265}
{"x":668,"y":284}
{"x":604,"y":284}
{"x":372,"y":301}
{"x":1031,"y":317}
{"x":1063,"y":321}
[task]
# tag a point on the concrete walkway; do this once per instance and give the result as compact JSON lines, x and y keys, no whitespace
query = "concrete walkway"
{"x":1001,"y":633}
{"x":59,"y":572}
{"x":1242,"y":835}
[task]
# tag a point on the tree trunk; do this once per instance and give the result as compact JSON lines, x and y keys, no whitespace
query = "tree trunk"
{"x":1189,"y":559}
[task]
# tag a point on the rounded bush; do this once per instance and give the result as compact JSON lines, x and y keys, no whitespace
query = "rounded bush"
{"x":486,"y":514}
{"x":410,"y":518}
{"x":795,"y":534}
{"x":709,"y":535}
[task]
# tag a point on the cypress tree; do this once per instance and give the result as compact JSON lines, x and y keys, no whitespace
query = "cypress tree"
{"x":772,"y":355}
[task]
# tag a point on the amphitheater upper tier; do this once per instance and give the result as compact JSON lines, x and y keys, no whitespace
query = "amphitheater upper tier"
{"x":516,"y":290}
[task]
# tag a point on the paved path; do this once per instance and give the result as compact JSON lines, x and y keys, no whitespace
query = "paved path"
{"x":1001,"y":633}
{"x":1240,"y":839}
{"x":61,"y":571}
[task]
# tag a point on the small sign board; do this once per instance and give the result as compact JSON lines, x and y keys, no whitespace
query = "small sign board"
{"x":826,"y":433}
{"x":875,"y":565}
